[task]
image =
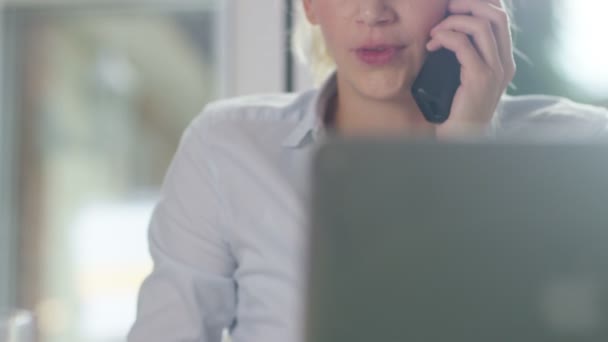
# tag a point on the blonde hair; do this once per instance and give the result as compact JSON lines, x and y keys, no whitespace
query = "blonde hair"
{"x":309,"y":46}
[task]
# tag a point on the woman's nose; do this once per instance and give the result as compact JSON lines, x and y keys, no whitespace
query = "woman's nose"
{"x":375,"y":13}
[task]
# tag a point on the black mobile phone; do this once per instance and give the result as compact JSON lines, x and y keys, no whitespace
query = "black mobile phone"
{"x":436,"y":85}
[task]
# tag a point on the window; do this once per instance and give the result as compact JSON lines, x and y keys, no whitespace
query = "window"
{"x":99,"y":117}
{"x":96,"y":96}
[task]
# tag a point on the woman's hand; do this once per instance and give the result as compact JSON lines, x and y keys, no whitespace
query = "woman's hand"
{"x":478,"y":32}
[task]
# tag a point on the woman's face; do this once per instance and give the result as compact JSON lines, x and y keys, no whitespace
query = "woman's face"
{"x":378,"y":45}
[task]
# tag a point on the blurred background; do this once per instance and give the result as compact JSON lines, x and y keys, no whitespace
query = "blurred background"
{"x":95,"y":94}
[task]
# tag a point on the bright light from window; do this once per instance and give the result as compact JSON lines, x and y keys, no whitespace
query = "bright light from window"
{"x":583,"y":51}
{"x":110,"y":250}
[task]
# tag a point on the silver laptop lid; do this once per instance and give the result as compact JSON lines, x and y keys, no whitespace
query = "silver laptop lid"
{"x":417,"y":241}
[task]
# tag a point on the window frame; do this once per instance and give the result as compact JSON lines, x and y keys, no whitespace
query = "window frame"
{"x":9,"y":170}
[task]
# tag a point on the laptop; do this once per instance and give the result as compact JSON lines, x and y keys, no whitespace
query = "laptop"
{"x":419,"y":241}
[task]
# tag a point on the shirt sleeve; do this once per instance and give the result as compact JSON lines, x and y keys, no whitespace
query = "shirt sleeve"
{"x":549,"y":117}
{"x":190,"y":294}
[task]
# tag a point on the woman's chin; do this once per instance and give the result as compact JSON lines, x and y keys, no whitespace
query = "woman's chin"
{"x":383,"y":86}
{"x":383,"y":93}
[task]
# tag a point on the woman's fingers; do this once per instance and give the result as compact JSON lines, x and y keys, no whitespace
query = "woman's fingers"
{"x":461,"y":45}
{"x":481,"y":32}
{"x":495,"y":13}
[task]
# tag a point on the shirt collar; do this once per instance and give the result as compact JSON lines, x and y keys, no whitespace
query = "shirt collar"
{"x":312,"y":126}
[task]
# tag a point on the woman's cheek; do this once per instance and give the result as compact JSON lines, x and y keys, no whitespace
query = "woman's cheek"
{"x":433,"y":12}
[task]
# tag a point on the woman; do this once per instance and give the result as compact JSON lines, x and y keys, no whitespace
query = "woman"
{"x":228,"y":236}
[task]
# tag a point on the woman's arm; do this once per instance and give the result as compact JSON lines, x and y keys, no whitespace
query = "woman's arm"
{"x":190,"y":295}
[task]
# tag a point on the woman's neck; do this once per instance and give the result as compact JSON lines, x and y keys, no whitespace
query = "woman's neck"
{"x":351,"y":113}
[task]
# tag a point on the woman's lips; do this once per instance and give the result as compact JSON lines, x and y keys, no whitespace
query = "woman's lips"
{"x":378,"y":55}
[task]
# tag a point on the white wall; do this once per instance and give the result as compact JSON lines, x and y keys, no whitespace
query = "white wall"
{"x":258,"y":46}
{"x":258,"y":42}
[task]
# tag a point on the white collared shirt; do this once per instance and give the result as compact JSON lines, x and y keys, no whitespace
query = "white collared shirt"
{"x":229,"y":234}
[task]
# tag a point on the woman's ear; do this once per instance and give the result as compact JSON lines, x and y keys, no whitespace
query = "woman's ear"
{"x":309,"y":11}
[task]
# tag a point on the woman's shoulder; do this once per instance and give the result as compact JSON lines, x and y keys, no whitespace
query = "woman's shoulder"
{"x":269,"y":108}
{"x":551,"y":117}
{"x":260,"y":122}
